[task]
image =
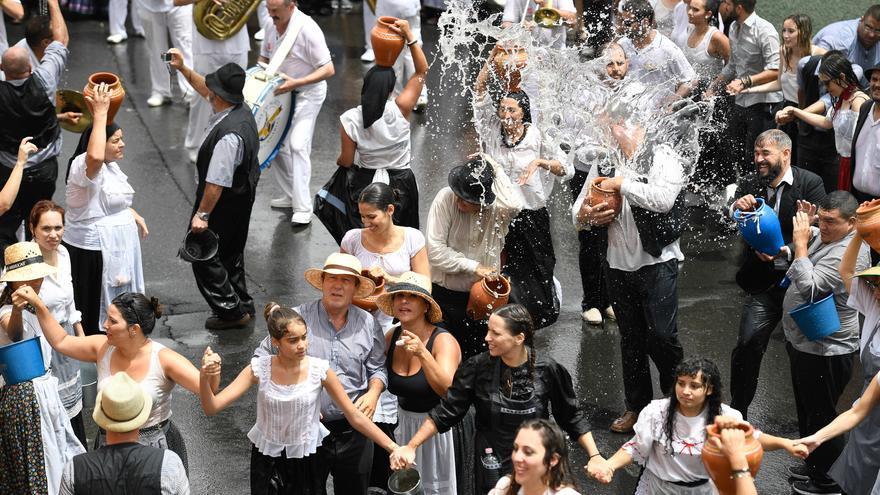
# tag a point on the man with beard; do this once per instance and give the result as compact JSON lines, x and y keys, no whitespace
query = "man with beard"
{"x":761,"y":275}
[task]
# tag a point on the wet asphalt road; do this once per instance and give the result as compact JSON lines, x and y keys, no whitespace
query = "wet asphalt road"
{"x":277,"y":255}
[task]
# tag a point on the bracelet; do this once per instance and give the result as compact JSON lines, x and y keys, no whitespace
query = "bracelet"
{"x":740,"y":473}
{"x":413,"y":42}
{"x":594,"y":455}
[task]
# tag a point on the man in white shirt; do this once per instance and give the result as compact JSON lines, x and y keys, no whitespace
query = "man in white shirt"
{"x":305,"y":69}
{"x":866,"y":139}
{"x":642,"y":264}
{"x":467,"y":224}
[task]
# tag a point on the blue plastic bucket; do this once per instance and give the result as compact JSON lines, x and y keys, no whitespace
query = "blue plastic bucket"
{"x":760,"y":228}
{"x":22,"y":361}
{"x":817,"y":319}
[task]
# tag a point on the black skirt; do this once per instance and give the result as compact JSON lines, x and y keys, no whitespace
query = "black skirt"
{"x":529,"y":260}
{"x":86,"y":269}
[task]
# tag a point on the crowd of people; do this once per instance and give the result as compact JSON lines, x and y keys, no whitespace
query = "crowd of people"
{"x":359,"y":383}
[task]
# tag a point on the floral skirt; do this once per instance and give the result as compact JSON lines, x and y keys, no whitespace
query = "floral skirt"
{"x":21,"y":444}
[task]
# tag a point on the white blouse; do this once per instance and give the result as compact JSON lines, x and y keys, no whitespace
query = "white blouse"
{"x":504,"y":484}
{"x":57,"y":291}
{"x":90,"y":200}
{"x":288,"y":416}
{"x":386,"y":144}
{"x":844,"y":123}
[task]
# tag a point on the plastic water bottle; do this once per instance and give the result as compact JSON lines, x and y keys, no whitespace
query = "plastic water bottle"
{"x":491,"y":469}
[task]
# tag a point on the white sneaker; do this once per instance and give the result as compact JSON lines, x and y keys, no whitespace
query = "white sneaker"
{"x":592,"y":316}
{"x":259,"y":35}
{"x":301,"y":218}
{"x":368,"y":57}
{"x":609,"y":312}
{"x":157,"y":101}
{"x":282,"y":202}
{"x":115,"y":39}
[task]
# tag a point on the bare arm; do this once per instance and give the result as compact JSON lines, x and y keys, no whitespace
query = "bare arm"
{"x":211,"y":403}
{"x":323,"y":72}
{"x":419,"y":263}
{"x":347,"y":149}
{"x":59,"y":27}
{"x":10,"y":189}
{"x":812,"y":119}
{"x":182,"y":372}
{"x":408,"y":98}
{"x":847,"y":267}
{"x":357,"y":419}
{"x":440,"y":364}
{"x":14,"y":10}
{"x":210,"y":197}
{"x":719,"y":46}
{"x":80,"y":348}
{"x":196,"y":80}
{"x":847,"y":420}
{"x":99,"y":104}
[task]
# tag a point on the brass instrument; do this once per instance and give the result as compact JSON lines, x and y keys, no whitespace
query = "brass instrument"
{"x":220,"y":22}
{"x":67,"y":100}
{"x":547,"y":16}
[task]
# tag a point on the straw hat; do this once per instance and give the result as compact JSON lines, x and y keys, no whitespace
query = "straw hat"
{"x":341,"y":264}
{"x":122,"y":405}
{"x":24,"y":261}
{"x":410,"y":283}
{"x":874,"y":271}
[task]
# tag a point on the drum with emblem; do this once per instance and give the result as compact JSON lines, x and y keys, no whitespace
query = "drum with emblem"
{"x":272,"y":112}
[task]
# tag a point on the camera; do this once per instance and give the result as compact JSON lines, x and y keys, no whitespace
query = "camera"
{"x":166,"y":57}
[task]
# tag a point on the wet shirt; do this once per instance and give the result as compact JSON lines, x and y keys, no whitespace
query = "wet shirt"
{"x":866,"y":176}
{"x":661,"y":63}
{"x":754,"y":48}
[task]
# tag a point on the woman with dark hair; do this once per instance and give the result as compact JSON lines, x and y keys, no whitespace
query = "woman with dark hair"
{"x":703,"y":44}
{"x":670,"y":433}
{"x":288,"y":430}
{"x":506,"y":385}
{"x":127,"y":346}
{"x":102,"y":228}
{"x":507,"y":135}
{"x":375,"y":136}
{"x":540,"y":462}
{"x":837,"y":74}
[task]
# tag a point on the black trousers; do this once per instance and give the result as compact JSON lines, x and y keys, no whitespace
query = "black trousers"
{"x":470,"y":334}
{"x":818,"y":154}
{"x":86,"y":268}
{"x":591,"y":256}
{"x":283,"y":476}
{"x":348,"y":455}
{"x":760,"y":315}
{"x":744,"y":126}
{"x":79,"y":429}
{"x":37,"y":183}
{"x":221,"y":279}
{"x":381,"y":466}
{"x":818,"y":382}
{"x":646,"y":304}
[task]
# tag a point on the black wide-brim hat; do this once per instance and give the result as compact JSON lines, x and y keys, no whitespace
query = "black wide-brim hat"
{"x":473,"y":181}
{"x":869,"y":70}
{"x":227,"y":82}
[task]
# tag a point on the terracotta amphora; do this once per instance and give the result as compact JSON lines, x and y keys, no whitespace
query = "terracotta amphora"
{"x":117,"y":93}
{"x":719,"y":467}
{"x":387,"y":44}
{"x":868,"y":223}
{"x":487,"y":296}
{"x":509,"y":61}
{"x":599,"y":195}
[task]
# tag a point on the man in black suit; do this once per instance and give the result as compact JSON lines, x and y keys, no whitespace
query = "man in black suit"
{"x":865,"y":159}
{"x":760,"y":274}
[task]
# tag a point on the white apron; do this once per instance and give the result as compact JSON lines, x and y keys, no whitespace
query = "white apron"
{"x":121,"y":256}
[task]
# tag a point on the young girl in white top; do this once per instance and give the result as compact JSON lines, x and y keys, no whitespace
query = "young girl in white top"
{"x":670,"y":434}
{"x":540,"y":462}
{"x":288,"y":431}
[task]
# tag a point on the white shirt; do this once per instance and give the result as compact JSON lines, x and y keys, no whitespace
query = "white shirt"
{"x":504,"y":484}
{"x":861,"y":298}
{"x":402,"y":9}
{"x":866,"y":177}
{"x":386,"y":144}
{"x":157,"y":6}
{"x":706,"y":65}
{"x":661,"y":63}
{"x":309,"y":51}
{"x":680,"y":25}
{"x":90,"y":200}
{"x":664,"y":17}
{"x":30,"y":328}
{"x":550,"y":37}
{"x":4,"y":43}
{"x":22,"y":43}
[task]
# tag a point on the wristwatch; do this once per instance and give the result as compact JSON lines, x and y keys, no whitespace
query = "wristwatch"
{"x":203,"y":216}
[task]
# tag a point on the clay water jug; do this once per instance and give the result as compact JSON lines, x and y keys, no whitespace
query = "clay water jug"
{"x":486,"y":296}
{"x":717,"y":464}
{"x":387,"y":44}
{"x":369,"y":303}
{"x":117,"y":93}
{"x":509,"y":61}
{"x":868,"y":223}
{"x":600,"y":195}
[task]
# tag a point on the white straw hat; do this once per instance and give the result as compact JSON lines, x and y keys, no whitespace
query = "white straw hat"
{"x":341,"y":264}
{"x":24,"y":261}
{"x":122,"y":405}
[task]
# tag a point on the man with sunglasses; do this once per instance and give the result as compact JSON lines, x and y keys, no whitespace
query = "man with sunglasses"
{"x":857,"y":38}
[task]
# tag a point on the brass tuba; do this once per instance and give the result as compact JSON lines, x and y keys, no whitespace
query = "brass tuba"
{"x":547,"y":16}
{"x":219,"y":22}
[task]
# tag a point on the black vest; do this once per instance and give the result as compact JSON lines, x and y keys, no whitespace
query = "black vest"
{"x":238,"y":121}
{"x":122,"y":469}
{"x":825,"y":137}
{"x":26,"y":111}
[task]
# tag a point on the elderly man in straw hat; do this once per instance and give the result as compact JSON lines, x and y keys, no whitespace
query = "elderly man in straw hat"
{"x":351,"y":339}
{"x":124,"y":465}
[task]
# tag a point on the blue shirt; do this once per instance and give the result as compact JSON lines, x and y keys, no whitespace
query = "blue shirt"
{"x":843,"y":36}
{"x":356,"y":352}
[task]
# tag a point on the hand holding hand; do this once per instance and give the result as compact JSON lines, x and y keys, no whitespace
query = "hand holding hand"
{"x":25,"y":149}
{"x":402,"y":457}
{"x":811,"y":443}
{"x":211,"y":362}
{"x":599,"y":469}
{"x":735,"y":87}
{"x":785,"y":115}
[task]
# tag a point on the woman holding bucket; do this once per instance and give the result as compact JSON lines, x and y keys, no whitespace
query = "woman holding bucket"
{"x":506,"y":386}
{"x":127,"y":346}
{"x":288,"y":430}
{"x":36,"y":437}
{"x":421,"y":361}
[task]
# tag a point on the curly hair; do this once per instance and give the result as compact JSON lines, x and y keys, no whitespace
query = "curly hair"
{"x":707,"y":371}
{"x":555,"y":443}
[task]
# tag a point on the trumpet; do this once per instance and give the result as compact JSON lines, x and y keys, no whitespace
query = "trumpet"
{"x":547,"y":16}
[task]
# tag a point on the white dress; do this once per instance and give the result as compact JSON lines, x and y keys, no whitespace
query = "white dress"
{"x":288,"y":416}
{"x":648,"y":447}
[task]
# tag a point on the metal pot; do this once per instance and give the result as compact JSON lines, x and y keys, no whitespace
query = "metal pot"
{"x":406,"y":482}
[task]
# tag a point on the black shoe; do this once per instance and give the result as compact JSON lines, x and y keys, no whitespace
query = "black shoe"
{"x":216,"y":323}
{"x":799,"y":472}
{"x":811,"y":487}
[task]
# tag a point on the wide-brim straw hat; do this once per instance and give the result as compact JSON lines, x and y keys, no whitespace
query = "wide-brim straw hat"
{"x":410,"y":283}
{"x":24,"y":261}
{"x":874,"y":271}
{"x":122,"y":405}
{"x":341,"y":264}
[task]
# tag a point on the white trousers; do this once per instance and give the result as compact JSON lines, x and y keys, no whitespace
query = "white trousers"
{"x":200,"y":111}
{"x":293,"y":166}
{"x":263,"y":16}
{"x":178,"y":22}
{"x":118,"y":13}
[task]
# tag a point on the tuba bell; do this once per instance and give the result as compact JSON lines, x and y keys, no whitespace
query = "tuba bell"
{"x":219,"y":22}
{"x":547,"y":16}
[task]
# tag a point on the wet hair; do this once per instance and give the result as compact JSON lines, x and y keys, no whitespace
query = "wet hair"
{"x":775,"y":137}
{"x":747,"y":5}
{"x":834,"y":64}
{"x":521,"y":99}
{"x":711,"y":377}
{"x":518,"y":321}
{"x":40,"y":208}
{"x":804,"y":25}
{"x":379,"y":195}
{"x":278,"y":318}
{"x":36,"y":30}
{"x":640,"y":9}
{"x":842,"y":201}
{"x":136,"y":308}
{"x":554,"y":442}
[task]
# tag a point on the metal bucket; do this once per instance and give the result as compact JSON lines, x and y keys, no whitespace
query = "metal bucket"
{"x":405,"y":482}
{"x":89,"y":374}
